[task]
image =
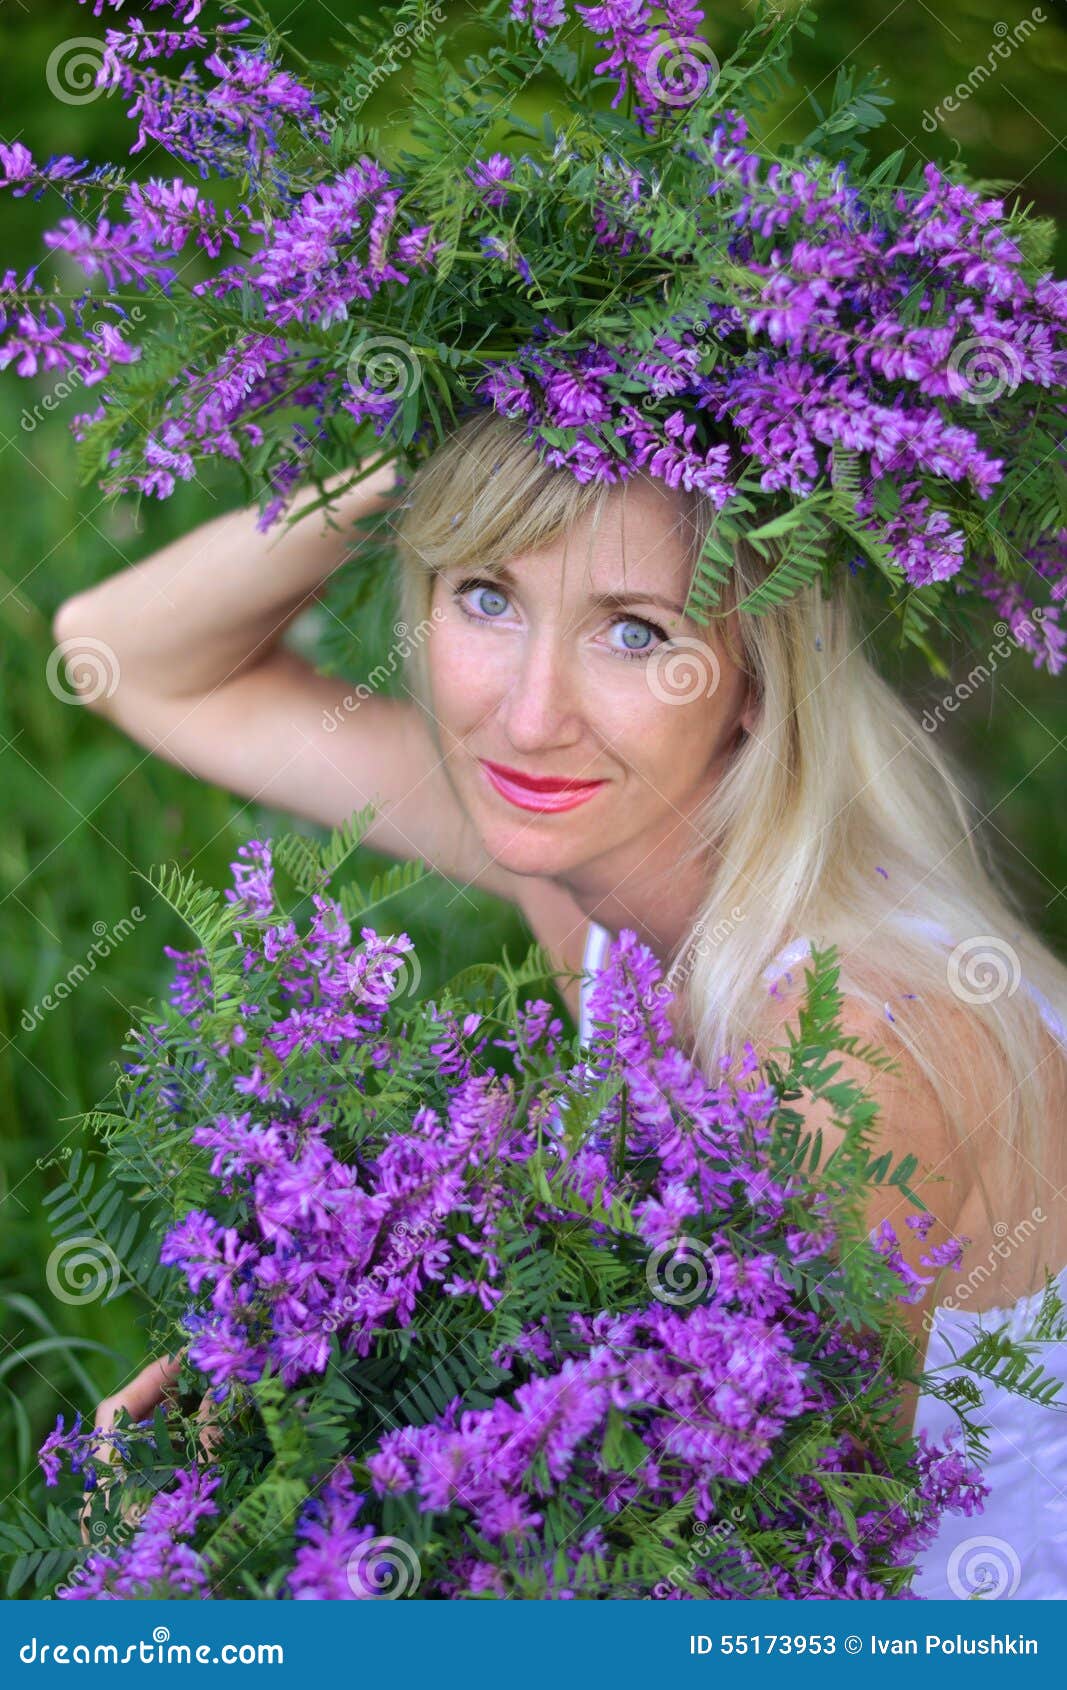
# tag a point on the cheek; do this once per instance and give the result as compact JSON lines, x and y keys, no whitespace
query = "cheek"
{"x":464,"y":678}
{"x":668,"y":745}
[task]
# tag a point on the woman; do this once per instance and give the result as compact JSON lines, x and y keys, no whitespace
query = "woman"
{"x":732,"y":792}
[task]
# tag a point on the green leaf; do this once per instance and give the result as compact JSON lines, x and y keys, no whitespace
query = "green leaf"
{"x":623,"y":1449}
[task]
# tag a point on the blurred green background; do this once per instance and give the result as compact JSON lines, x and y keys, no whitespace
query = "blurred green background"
{"x":84,"y":810}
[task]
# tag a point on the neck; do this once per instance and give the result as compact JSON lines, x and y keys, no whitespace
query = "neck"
{"x":659,"y":899}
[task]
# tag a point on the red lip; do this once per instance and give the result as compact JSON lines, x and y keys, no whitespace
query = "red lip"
{"x":538,"y":783}
{"x":548,"y":797}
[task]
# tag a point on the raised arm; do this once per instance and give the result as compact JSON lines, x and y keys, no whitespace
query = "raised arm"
{"x":193,"y":637}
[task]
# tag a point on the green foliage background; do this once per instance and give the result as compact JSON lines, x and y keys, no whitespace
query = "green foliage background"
{"x":84,"y":812}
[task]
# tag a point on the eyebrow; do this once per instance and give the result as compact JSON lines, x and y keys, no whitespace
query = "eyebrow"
{"x":602,"y":601}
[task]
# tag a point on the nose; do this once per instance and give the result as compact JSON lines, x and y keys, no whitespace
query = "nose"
{"x":542,"y":706}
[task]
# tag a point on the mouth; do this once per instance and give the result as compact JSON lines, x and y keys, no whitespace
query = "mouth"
{"x":538,"y":792}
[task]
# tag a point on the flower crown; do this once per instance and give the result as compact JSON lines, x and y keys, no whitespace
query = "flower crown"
{"x":860,"y":368}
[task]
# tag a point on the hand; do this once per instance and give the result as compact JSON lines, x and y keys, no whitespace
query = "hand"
{"x":140,"y":1398}
{"x":371,"y":493}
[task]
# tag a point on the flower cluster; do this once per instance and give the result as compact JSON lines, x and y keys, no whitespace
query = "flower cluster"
{"x":857,"y":369}
{"x":947,"y":1254}
{"x":636,"y":37}
{"x":500,"y":1308}
{"x":160,"y":1558}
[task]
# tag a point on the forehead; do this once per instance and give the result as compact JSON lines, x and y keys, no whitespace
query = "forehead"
{"x":635,"y":541}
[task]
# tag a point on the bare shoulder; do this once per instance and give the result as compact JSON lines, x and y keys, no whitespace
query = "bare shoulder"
{"x":950,"y":1110}
{"x":911,"y":1121}
{"x":912,"y":1118}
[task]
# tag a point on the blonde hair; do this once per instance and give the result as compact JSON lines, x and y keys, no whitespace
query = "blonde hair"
{"x":837,"y":819}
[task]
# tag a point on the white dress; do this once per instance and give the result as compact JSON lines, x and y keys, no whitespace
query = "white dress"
{"x":1016,"y":1547}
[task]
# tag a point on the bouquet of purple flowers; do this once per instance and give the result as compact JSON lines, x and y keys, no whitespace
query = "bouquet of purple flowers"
{"x":480,"y":1310}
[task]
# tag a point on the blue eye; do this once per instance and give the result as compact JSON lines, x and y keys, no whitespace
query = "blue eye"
{"x":485,"y":589}
{"x":642,"y":630}
{"x":491,"y":600}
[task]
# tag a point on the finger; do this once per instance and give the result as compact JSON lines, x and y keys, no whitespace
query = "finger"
{"x":142,"y":1395}
{"x":211,"y":1430}
{"x":139,"y":1398}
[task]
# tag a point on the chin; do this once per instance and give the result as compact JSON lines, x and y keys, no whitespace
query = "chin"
{"x":531,"y":850}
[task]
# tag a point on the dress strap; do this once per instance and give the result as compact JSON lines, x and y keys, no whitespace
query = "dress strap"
{"x":597,"y":945}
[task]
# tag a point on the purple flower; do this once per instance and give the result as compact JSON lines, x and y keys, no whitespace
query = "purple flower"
{"x":254,"y":878}
{"x":157,"y":1561}
{"x":328,"y":1565}
{"x":542,"y":15}
{"x":488,"y":174}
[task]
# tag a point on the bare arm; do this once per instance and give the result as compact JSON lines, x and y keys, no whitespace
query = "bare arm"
{"x":193,"y":640}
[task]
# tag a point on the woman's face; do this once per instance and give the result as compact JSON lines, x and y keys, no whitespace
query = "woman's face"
{"x":583,"y":670}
